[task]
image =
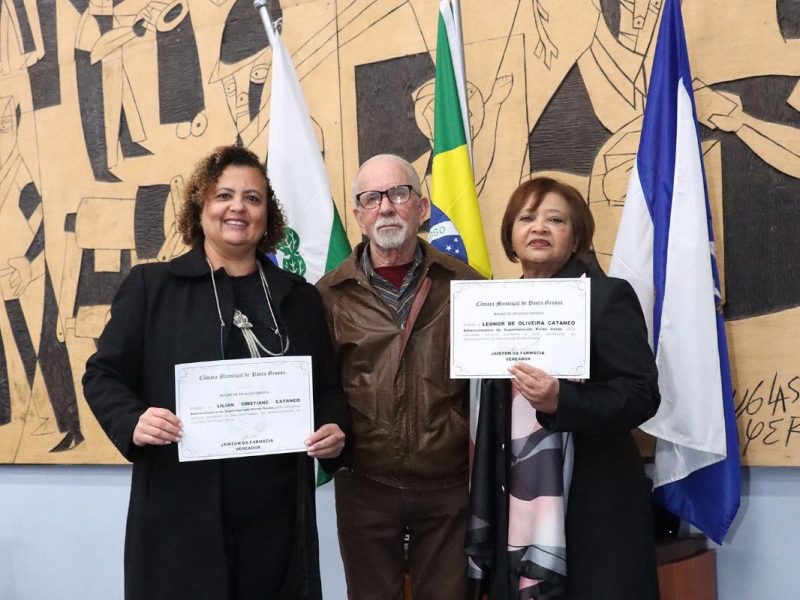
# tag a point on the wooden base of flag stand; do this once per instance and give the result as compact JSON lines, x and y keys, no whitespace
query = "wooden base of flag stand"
{"x":687,"y":569}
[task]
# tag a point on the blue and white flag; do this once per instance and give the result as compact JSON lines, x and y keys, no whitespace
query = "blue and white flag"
{"x":665,"y":249}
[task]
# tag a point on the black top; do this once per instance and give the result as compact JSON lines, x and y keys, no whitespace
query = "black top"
{"x":255,"y":486}
{"x":258,"y":493}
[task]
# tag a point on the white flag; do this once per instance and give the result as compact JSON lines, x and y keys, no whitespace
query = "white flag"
{"x":315,"y":240}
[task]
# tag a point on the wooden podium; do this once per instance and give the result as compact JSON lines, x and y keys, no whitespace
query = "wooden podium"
{"x":687,"y":569}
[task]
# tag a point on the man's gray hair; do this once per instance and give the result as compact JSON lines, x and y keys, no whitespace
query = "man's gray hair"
{"x":413,"y":178}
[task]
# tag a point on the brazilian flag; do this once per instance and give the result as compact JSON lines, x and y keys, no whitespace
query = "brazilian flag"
{"x":456,"y":227}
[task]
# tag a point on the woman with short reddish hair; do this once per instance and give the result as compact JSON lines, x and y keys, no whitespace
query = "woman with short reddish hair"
{"x":559,"y":503}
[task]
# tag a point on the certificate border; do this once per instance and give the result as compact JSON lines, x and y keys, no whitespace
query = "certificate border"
{"x":457,"y":285}
{"x":268,"y":360}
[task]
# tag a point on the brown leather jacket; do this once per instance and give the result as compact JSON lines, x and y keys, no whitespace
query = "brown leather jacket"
{"x":409,"y":419}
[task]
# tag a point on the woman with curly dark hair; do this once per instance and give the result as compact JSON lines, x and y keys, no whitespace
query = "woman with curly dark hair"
{"x":215,"y":529}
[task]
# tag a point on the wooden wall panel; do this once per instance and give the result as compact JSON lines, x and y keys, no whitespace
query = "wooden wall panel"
{"x":105,"y":106}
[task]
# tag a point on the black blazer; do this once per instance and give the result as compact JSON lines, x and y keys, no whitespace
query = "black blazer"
{"x":610,"y":552}
{"x":163,"y":315}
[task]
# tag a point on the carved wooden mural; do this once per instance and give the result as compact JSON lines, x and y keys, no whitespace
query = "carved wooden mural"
{"x":105,"y":105}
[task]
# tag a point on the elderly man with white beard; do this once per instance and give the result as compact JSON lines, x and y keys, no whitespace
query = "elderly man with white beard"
{"x":401,"y":502}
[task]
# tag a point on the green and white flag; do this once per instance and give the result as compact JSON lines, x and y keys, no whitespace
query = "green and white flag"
{"x":315,"y":240}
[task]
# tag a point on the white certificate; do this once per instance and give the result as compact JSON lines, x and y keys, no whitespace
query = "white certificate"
{"x":542,"y":322}
{"x":244,"y":407}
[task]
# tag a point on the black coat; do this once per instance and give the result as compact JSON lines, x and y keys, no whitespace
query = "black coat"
{"x":165,"y":314}
{"x":609,"y":535}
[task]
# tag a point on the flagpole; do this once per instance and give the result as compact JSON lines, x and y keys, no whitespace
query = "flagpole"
{"x":261,"y":7}
{"x":460,"y":31}
{"x":462,"y":74}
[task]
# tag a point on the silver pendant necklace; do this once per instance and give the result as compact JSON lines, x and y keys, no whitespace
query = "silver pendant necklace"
{"x":244,"y":325}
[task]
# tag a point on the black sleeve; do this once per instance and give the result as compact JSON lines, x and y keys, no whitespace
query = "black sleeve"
{"x":622,"y":391}
{"x":113,"y":379}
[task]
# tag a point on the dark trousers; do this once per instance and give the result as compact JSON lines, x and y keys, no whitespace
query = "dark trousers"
{"x":372,"y":519}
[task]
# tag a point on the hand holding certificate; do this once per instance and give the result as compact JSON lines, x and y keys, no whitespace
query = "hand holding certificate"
{"x":542,"y":322}
{"x":244,"y":407}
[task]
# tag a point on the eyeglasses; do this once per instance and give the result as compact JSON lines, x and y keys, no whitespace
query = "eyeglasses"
{"x":371,"y":199}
